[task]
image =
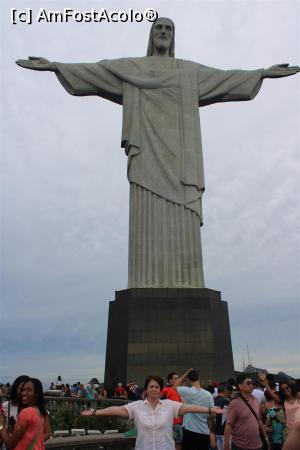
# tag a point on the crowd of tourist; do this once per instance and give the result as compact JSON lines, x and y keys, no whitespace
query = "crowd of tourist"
{"x":245,"y":414}
{"x":95,"y":391}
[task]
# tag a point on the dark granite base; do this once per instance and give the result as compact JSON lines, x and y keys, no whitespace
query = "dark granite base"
{"x":157,"y":331}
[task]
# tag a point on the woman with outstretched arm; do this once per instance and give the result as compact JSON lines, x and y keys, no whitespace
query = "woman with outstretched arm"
{"x":153,"y":417}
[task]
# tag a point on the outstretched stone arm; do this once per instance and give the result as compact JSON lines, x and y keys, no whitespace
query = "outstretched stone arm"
{"x":36,"y":63}
{"x":80,"y":79}
{"x":280,"y":70}
{"x":216,"y":86}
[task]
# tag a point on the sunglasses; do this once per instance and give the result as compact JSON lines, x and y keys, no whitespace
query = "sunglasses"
{"x":285,"y":389}
{"x":250,"y":383}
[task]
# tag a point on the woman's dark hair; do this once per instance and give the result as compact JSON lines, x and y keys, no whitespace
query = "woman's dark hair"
{"x":150,"y":43}
{"x":39,"y":396}
{"x":281,"y":394}
{"x":297,"y":384}
{"x":170,"y":376}
{"x":14,"y":396}
{"x":156,"y":378}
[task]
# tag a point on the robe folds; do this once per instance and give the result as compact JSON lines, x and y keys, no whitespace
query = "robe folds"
{"x":162,"y":140}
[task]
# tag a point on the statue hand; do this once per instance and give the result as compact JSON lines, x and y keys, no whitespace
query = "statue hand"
{"x":280,"y":70}
{"x":36,"y":63}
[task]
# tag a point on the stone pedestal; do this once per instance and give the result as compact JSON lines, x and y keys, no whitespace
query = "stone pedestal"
{"x":157,"y":331}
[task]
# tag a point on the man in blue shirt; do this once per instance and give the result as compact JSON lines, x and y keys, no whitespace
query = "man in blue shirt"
{"x":196,"y":435}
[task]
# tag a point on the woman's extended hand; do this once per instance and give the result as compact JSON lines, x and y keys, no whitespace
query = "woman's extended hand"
{"x":88,"y":412}
{"x":217,"y":410}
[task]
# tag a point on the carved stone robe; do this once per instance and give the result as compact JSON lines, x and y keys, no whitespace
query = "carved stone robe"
{"x":162,"y":139}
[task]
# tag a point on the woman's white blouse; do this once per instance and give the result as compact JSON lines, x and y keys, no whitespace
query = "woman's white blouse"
{"x":154,"y":426}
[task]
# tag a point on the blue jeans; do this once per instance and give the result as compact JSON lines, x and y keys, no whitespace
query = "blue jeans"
{"x":220,"y":441}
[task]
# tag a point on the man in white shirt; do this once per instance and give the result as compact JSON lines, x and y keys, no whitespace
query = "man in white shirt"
{"x":258,"y":392}
{"x":196,"y":433}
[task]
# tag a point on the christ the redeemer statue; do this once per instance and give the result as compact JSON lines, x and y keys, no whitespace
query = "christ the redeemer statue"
{"x":161,"y":135}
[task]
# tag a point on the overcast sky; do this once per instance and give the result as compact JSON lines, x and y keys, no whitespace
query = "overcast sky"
{"x":64,"y":192}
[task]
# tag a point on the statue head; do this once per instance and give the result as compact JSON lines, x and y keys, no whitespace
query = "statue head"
{"x":162,"y":36}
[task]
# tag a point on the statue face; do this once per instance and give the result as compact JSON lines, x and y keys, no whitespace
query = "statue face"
{"x":162,"y":34}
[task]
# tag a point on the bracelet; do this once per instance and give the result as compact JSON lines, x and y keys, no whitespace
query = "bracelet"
{"x":209,"y":410}
{"x":94,"y":412}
